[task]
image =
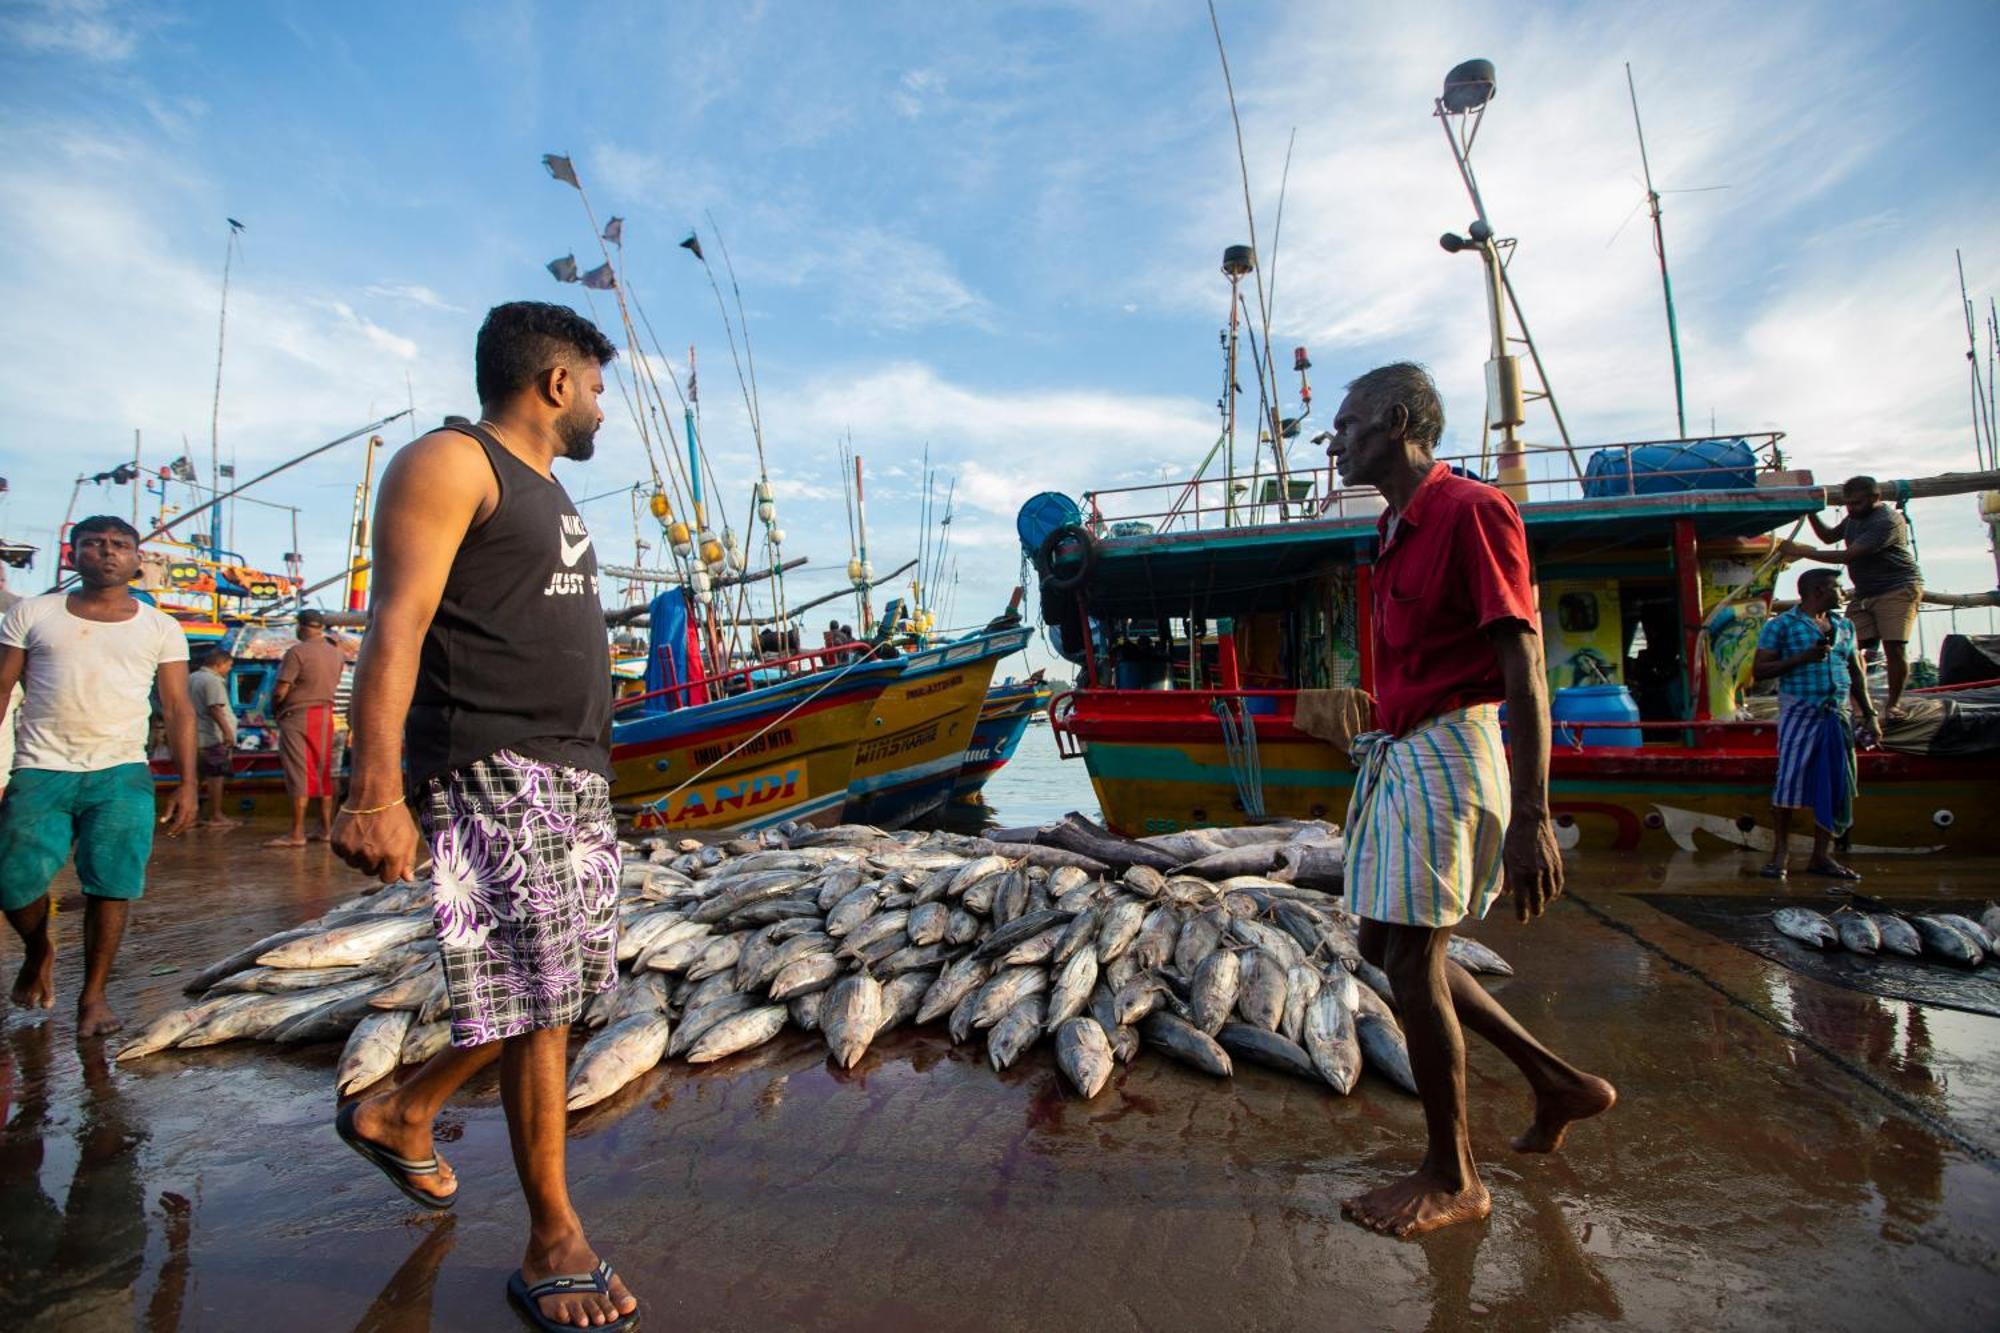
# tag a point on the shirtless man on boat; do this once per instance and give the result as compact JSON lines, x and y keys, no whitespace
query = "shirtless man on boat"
{"x":1457,"y":629}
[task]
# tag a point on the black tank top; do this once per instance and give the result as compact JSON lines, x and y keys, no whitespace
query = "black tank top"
{"x":516,"y":657}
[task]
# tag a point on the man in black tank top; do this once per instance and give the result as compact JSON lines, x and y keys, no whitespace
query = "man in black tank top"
{"x":486,"y":667}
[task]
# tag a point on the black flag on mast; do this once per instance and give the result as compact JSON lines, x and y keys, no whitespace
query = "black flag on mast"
{"x":600,"y":279}
{"x":693,"y":242}
{"x":564,"y":269}
{"x":614,"y":232}
{"x":559,"y":167}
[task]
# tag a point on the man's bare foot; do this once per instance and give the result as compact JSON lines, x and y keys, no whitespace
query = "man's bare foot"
{"x":95,"y":1019}
{"x":1417,"y":1203}
{"x":219,"y":822}
{"x":572,"y":1254}
{"x":35,"y":983}
{"x":376,"y":1121}
{"x":286,"y":841}
{"x":1558,"y":1109}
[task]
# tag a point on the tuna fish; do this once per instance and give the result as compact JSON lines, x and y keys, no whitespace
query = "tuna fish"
{"x":1332,"y":1040}
{"x":1476,"y":957}
{"x":1260,"y":998}
{"x":1188,"y":1044}
{"x":1948,"y":942}
{"x":961,"y":979}
{"x":1858,"y":932}
{"x":1158,"y":933}
{"x":849,"y":1016}
{"x":1121,"y":922}
{"x":1213,"y":991}
{"x":1015,"y":1032}
{"x":1898,"y":936}
{"x":1387,"y":1053}
{"x":373,"y":1050}
{"x":696,"y":1022}
{"x":1302,"y":987}
{"x":174,"y":1025}
{"x":927,"y":923}
{"x":1199,"y":937}
{"x":345,"y":946}
{"x":616,"y":1056}
{"x":901,"y":998}
{"x":1072,"y":988}
{"x":424,"y":1040}
{"x":1979,"y":934}
{"x":1081,"y":931}
{"x":1244,"y":1042}
{"x":738,"y":1032}
{"x":1006,"y":990}
{"x":1083,"y":1053}
{"x":1806,"y":926}
{"x":815,"y":971}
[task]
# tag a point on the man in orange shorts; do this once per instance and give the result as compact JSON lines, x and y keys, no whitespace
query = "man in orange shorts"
{"x":303,"y":702}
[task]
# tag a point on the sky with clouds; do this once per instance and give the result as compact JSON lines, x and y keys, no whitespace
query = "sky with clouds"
{"x":992,"y":231}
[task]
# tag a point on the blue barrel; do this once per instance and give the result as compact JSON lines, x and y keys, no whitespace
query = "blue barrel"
{"x":1595,"y":703}
{"x":1660,"y":469}
{"x":1043,"y":514}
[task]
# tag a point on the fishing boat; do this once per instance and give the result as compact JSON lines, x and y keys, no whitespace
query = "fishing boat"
{"x":1223,"y":622}
{"x":909,"y":758}
{"x":1003,"y":719}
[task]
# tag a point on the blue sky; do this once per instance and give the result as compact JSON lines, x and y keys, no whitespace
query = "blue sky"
{"x":990,"y":229}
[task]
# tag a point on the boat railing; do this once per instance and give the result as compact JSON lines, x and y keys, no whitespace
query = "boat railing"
{"x":798,"y":666}
{"x":1315,"y":493}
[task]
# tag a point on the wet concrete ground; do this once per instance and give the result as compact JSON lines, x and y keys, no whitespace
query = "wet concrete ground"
{"x":1786,"y":1153}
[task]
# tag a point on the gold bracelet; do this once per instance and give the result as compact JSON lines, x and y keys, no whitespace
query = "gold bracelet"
{"x":373,"y":809}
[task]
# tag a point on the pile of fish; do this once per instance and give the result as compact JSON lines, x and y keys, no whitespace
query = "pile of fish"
{"x":851,"y":933}
{"x":1941,"y":935}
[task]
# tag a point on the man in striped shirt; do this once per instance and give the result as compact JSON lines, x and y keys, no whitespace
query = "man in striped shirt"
{"x":1441,"y":822}
{"x":1809,"y":650}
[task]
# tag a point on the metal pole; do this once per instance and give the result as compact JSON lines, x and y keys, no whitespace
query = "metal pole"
{"x":861,"y":530}
{"x":1503,"y":375}
{"x":1660,"y":249}
{"x":215,"y":404}
{"x":357,"y":588}
{"x":1229,"y":414}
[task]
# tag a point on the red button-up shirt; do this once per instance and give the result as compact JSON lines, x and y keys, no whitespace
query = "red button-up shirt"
{"x":1456,"y":563}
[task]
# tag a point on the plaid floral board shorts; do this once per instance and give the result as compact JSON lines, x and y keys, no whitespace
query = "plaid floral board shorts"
{"x":524,"y":871}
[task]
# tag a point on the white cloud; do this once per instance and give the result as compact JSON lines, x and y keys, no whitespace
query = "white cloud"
{"x":104,"y":31}
{"x":412,"y":293}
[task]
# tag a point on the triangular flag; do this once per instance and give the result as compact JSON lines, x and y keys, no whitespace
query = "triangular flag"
{"x":600,"y":279}
{"x":614,"y":231}
{"x":560,"y":168}
{"x":564,"y":269}
{"x":693,"y":242}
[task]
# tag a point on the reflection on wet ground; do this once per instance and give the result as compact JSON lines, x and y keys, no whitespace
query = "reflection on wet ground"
{"x":1786,"y":1152}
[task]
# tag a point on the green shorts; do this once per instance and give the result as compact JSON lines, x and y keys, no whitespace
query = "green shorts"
{"x":105,"y":816}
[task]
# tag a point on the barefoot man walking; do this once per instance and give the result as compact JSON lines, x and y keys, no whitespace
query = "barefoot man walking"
{"x":486,"y":664}
{"x":1434,"y":828}
{"x":88,"y":661}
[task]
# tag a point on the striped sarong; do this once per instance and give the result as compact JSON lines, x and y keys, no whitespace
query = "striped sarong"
{"x":1427,"y":821}
{"x":1816,"y":769}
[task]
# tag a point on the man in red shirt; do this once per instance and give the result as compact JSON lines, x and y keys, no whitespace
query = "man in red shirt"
{"x":1436,"y":824}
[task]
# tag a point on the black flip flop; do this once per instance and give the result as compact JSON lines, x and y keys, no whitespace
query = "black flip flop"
{"x":597,"y":1279}
{"x":399,"y":1170}
{"x":1772,"y":872}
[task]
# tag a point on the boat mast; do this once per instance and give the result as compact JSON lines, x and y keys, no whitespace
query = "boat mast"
{"x":858,"y":569}
{"x":1460,"y":109}
{"x":357,"y":557}
{"x":1660,"y":249}
{"x":1237,"y":260}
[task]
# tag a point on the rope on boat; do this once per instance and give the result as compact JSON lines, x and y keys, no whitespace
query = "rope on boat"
{"x":659,"y":801}
{"x":1239,"y":742}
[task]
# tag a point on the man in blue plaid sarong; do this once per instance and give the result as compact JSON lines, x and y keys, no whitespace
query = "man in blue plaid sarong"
{"x":1809,"y":650}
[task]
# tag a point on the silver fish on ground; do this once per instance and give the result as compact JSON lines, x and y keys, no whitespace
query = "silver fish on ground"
{"x":805,"y":1010}
{"x":849,"y":1016}
{"x":1213,"y":991}
{"x":1244,"y":1042}
{"x":169,"y":1028}
{"x":1806,"y":926}
{"x":1897,"y":935}
{"x":1858,"y":932}
{"x":616,"y":1056}
{"x":1387,"y":1053}
{"x":345,"y":946}
{"x":373,"y":1050}
{"x":1260,"y":998}
{"x":801,"y":976}
{"x":1083,"y":1053}
{"x":1475,"y":957}
{"x":1333,"y":1042}
{"x":695,"y":1022}
{"x":1948,"y":942}
{"x":1199,"y":938}
{"x":738,"y":1032}
{"x":422,"y":1041}
{"x":1158,"y":933}
{"x":1072,"y":988}
{"x":901,"y":999}
{"x":1302,"y":987}
{"x":1186,"y":1043}
{"x":1005,"y":990}
{"x":957,"y":981}
{"x":1121,"y":922}
{"x":1977,"y":932}
{"x":1016,"y":1031}
{"x":928,"y":922}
